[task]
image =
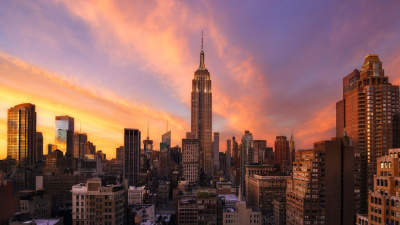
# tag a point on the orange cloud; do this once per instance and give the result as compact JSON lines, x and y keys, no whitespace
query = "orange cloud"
{"x":102,"y":113}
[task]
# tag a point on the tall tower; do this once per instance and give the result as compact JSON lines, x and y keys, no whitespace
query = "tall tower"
{"x":21,"y":143}
{"x":21,"y":133}
{"x":132,"y":154}
{"x":65,"y":134}
{"x":366,"y":114}
{"x":201,"y":119}
{"x":292,"y":149}
{"x":282,"y":153}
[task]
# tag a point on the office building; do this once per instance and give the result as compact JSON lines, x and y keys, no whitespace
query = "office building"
{"x":132,"y":154}
{"x":240,"y":214}
{"x":191,"y":159}
{"x":201,"y":114}
{"x":39,"y":146}
{"x":93,"y":203}
{"x":228,"y":154}
{"x":216,"y":152}
{"x":247,"y":145}
{"x":119,"y":152}
{"x":322,"y":190}
{"x":259,"y":151}
{"x":367,"y":115}
{"x":282,"y":153}
{"x":36,"y":203}
{"x":80,"y":140}
{"x":65,"y":134}
{"x":384,"y":201}
{"x":292,"y":149}
{"x":51,"y":148}
{"x":264,"y":189}
{"x":21,"y":144}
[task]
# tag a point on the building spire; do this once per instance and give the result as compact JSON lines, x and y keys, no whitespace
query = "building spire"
{"x":148,"y":130}
{"x":202,"y":65}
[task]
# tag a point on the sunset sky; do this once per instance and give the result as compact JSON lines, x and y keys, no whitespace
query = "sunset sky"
{"x":276,"y":66}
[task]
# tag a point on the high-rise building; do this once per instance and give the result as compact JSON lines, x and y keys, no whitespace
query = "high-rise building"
{"x":235,"y":152}
{"x":292,"y":149}
{"x":132,"y":154}
{"x":93,"y":203}
{"x":39,"y":146}
{"x":191,"y":159}
{"x":247,"y":145}
{"x":21,"y":134}
{"x":282,"y":153}
{"x":51,"y":148}
{"x":64,"y":134}
{"x":166,"y":138}
{"x":367,"y":114}
{"x":240,"y":214}
{"x":80,"y":140}
{"x":322,"y":189}
{"x":384,"y":201}
{"x":201,"y":118}
{"x":21,"y":144}
{"x":228,"y":154}
{"x":89,"y":148}
{"x":119,"y":152}
{"x":148,"y":144}
{"x":216,"y":151}
{"x":259,"y":151}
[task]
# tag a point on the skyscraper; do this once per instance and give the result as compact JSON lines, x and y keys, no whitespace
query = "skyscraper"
{"x":21,"y":133}
{"x":216,"y":151}
{"x":228,"y":154}
{"x":201,"y":118}
{"x":259,"y":151}
{"x":292,"y":149}
{"x":39,"y":146}
{"x":132,"y":154}
{"x":64,"y":134}
{"x":282,"y":154}
{"x":21,"y":143}
{"x":247,"y":145}
{"x":166,"y":138}
{"x":366,"y":114}
{"x":80,"y":140}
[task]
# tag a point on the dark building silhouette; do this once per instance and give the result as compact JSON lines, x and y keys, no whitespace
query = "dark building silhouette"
{"x":132,"y":156}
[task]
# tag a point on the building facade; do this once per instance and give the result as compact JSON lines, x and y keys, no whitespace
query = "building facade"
{"x":93,"y":203}
{"x":282,"y":153}
{"x":191,"y":159}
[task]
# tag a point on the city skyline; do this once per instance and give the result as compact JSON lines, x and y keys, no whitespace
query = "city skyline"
{"x":268,"y":82}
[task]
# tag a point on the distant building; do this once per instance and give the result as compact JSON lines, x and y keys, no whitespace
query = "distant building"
{"x":228,"y":154}
{"x":141,"y":214}
{"x":264,"y":189}
{"x":65,"y":127}
{"x":240,"y":214}
{"x":247,"y":146}
{"x":51,"y":148}
{"x":80,"y":140}
{"x":216,"y":152}
{"x":39,"y":146}
{"x":119,"y":152}
{"x":259,"y":151}
{"x":132,"y":154}
{"x":282,"y":153}
{"x":191,"y":159}
{"x":187,"y":210}
{"x":21,"y":143}
{"x":36,"y":203}
{"x":93,"y":203}
{"x":136,"y":194}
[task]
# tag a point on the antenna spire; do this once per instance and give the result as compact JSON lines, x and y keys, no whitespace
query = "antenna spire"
{"x":148,"y":129}
{"x":201,"y":40}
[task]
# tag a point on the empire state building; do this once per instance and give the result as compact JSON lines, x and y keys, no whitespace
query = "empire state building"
{"x":202,"y":114}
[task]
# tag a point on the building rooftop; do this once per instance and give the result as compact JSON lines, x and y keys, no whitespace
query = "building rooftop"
{"x":371,"y":58}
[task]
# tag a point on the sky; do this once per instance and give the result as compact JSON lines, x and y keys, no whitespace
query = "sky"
{"x":276,"y":66}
